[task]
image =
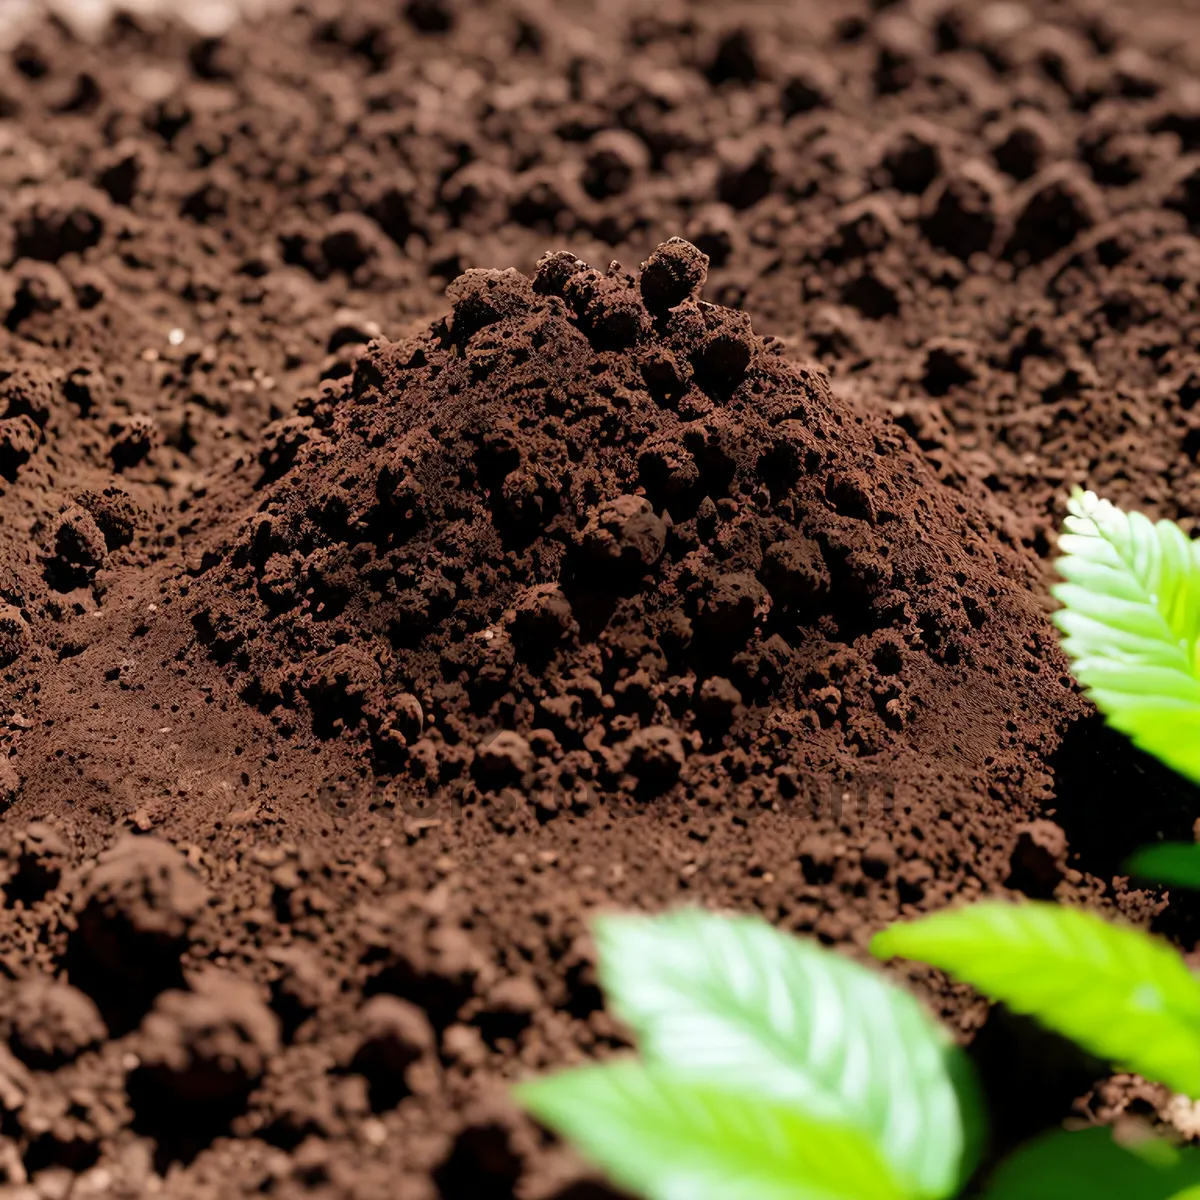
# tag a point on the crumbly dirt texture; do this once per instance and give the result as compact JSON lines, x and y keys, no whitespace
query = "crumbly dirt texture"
{"x":466,"y":466}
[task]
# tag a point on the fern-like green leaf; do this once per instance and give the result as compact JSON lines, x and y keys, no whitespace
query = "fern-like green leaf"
{"x":735,"y":1002}
{"x":1131,"y":617}
{"x":1118,"y":992}
{"x":665,"y":1138}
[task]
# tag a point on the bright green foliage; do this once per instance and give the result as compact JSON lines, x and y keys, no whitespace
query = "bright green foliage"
{"x":1176,"y":864}
{"x":1132,"y":625}
{"x":1091,"y":1166}
{"x":733,"y":1001}
{"x":774,"y":1069}
{"x":1117,"y":992}
{"x":664,"y":1138}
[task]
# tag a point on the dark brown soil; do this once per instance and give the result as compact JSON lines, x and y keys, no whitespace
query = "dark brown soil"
{"x":383,"y":589}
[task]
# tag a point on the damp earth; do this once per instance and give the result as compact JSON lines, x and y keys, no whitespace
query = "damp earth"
{"x":465,"y":466}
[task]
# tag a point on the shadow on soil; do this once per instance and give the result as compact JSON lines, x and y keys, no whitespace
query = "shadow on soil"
{"x":1030,"y":1076}
{"x":1113,"y":799}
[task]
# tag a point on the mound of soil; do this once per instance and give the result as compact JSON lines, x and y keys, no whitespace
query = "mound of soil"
{"x":590,"y":531}
{"x":384,"y":589}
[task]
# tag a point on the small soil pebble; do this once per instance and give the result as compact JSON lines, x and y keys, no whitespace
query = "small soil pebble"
{"x":132,"y":441}
{"x":625,"y":531}
{"x":505,"y":756}
{"x":396,"y":1049}
{"x":15,"y":636}
{"x":205,"y":1047}
{"x":303,"y":987}
{"x":135,"y":912}
{"x":1039,"y":859}
{"x":655,"y":755}
{"x":42,"y":853}
{"x":675,"y":272}
{"x":51,"y":1023}
{"x":19,"y":438}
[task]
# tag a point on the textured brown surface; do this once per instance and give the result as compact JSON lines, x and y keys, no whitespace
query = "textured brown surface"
{"x":379,"y":597}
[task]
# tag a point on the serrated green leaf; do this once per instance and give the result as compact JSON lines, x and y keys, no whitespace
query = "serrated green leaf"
{"x":1176,"y":864}
{"x":1118,"y":992}
{"x":1090,"y":1165}
{"x":665,"y":1138}
{"x":1131,"y":617}
{"x":730,"y":999}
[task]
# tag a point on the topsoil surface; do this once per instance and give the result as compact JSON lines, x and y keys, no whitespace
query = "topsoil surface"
{"x":410,"y":544}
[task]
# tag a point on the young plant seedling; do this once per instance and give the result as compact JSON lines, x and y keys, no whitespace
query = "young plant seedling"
{"x":1119,"y":993}
{"x":772,"y":1068}
{"x":1131,"y":620}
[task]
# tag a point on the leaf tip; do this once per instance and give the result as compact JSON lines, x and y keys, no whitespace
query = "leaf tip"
{"x":1083,"y":503}
{"x":883,"y":944}
{"x":530,"y":1095}
{"x":1138,"y":864}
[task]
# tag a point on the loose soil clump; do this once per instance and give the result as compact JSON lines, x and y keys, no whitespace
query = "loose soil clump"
{"x":590,"y":536}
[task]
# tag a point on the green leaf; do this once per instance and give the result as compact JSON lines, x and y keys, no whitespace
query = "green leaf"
{"x":665,"y":1138}
{"x":1176,"y":864}
{"x":733,"y":1001}
{"x":1132,"y":625}
{"x":1117,"y":992}
{"x":1090,"y":1165}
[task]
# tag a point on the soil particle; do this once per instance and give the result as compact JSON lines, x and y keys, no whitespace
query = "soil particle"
{"x":208,"y":1043}
{"x":51,"y":1023}
{"x":1039,"y":859}
{"x":41,"y":854}
{"x":79,"y":547}
{"x":675,"y":272}
{"x":200,"y":1052}
{"x":115,"y":514}
{"x":1059,"y":204}
{"x":965,"y":211}
{"x":625,"y":531}
{"x":14,"y":635}
{"x":19,"y":439}
{"x":396,"y":1050}
{"x":507,"y":756}
{"x":303,"y":986}
{"x":655,"y":755}
{"x":135,"y":911}
{"x":718,"y":704}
